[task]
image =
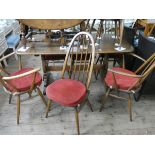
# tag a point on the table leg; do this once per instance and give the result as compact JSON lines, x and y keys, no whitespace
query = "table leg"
{"x":44,"y":66}
{"x":123,"y":61}
{"x":104,"y":62}
{"x":20,"y":61}
{"x":5,"y":63}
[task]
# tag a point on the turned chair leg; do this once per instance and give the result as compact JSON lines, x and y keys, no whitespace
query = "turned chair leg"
{"x":48,"y":107}
{"x":41,"y":95}
{"x":18,"y":108}
{"x":30,"y":96}
{"x":77,"y":120}
{"x":98,"y":71}
{"x":89,"y":105}
{"x":104,"y":99}
{"x":130,"y":107}
{"x":10,"y":97}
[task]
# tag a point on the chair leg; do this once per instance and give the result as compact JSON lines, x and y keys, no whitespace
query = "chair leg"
{"x":18,"y":108}
{"x":48,"y":107}
{"x":77,"y":120}
{"x":101,"y":59}
{"x":5,"y":62}
{"x":10,"y":97}
{"x":89,"y":105}
{"x":96,"y":72}
{"x":114,"y":62}
{"x":104,"y":99}
{"x":16,"y":57}
{"x":30,"y":96}
{"x":130,"y":107}
{"x":42,"y":97}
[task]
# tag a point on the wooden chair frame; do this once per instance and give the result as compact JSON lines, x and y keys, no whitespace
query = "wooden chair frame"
{"x":142,"y":72}
{"x":83,"y":62}
{"x":5,"y":82}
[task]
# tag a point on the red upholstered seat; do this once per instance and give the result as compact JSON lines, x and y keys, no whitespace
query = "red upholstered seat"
{"x":24,"y":83}
{"x":123,"y":82}
{"x":66,"y":92}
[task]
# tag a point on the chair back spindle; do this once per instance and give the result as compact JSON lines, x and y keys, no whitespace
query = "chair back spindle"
{"x":80,"y":58}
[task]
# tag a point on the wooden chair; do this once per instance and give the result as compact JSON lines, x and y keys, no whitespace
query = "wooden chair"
{"x":123,"y":80}
{"x":72,"y":89}
{"x":20,"y":82}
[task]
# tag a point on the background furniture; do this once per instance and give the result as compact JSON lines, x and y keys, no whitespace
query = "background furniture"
{"x":10,"y":36}
{"x":129,"y":34}
{"x":3,"y":47}
{"x":149,"y":25}
{"x":146,"y":47}
{"x":51,"y":24}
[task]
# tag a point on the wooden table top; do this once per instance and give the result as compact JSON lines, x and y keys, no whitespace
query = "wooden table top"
{"x":51,"y":24}
{"x":107,"y":46}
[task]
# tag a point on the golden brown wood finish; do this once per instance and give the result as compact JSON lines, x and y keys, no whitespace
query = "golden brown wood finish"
{"x":77,"y":120}
{"x":50,"y":48}
{"x":48,"y":107}
{"x":41,"y":95}
{"x":20,"y":61}
{"x":5,"y":82}
{"x":18,"y":108}
{"x":121,"y":31}
{"x":147,"y":25}
{"x":142,"y":72}
{"x":21,"y":75}
{"x":89,"y":104}
{"x":79,"y":60}
{"x":81,"y":51}
{"x":51,"y":24}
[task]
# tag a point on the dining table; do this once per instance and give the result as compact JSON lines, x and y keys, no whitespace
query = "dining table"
{"x":39,"y":45}
{"x":106,"y":45}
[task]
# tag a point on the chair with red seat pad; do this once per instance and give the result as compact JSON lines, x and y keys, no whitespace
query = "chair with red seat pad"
{"x":123,"y":80}
{"x":72,"y":89}
{"x":20,"y":82}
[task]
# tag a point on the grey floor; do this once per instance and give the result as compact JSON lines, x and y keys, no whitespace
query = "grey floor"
{"x":114,"y":119}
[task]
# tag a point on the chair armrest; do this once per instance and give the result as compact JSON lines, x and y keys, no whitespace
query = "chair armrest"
{"x":125,"y":74}
{"x":21,"y":75}
{"x":137,"y":56}
{"x":7,"y":56}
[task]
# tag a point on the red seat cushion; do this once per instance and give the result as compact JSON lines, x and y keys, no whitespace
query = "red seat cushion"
{"x":123,"y":82}
{"x":24,"y":83}
{"x":66,"y":92}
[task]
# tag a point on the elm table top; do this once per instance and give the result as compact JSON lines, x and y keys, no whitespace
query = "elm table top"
{"x":39,"y":47}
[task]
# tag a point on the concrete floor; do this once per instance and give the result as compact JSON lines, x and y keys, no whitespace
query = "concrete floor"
{"x":114,"y":119}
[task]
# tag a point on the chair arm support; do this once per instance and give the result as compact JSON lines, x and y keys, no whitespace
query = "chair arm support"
{"x":21,"y":75}
{"x":137,"y":56}
{"x":125,"y":74}
{"x":7,"y":56}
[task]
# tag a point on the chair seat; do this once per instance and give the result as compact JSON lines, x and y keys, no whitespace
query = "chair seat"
{"x":66,"y":92}
{"x":123,"y":82}
{"x":24,"y":83}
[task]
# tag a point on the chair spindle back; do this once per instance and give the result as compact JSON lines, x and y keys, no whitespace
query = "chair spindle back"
{"x":80,"y":58}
